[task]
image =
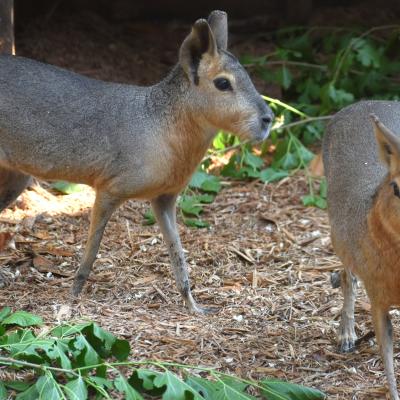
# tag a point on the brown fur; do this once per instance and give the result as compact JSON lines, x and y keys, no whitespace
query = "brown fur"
{"x":381,"y":250}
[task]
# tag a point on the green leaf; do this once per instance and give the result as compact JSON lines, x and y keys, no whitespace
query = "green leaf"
{"x":232,"y":389}
{"x":196,"y":223}
{"x":284,"y":77}
{"x":48,"y":388}
{"x":211,"y":185}
{"x":149,"y":218}
{"x":59,"y":351}
{"x":66,"y":187}
{"x":252,"y":160}
{"x":18,"y":386}
{"x":121,"y":349}
{"x":122,"y":385}
{"x":190,"y":205}
{"x":3,"y":392}
{"x":5,"y":312}
{"x":230,"y":169}
{"x":272,"y":174}
{"x":176,"y":388}
{"x":22,"y":318}
{"x":208,"y":183}
{"x":249,"y":172}
{"x":101,"y":340}
{"x":143,"y":380}
{"x":367,"y":55}
{"x":280,"y":390}
{"x":84,"y":352}
{"x":314,"y":200}
{"x":206,"y":388}
{"x":76,"y":389}
{"x":287,"y":162}
{"x":29,"y":394}
{"x":100,"y":382}
{"x":303,"y":153}
{"x":69,"y":330}
{"x":222,"y":140}
{"x":339,"y":97}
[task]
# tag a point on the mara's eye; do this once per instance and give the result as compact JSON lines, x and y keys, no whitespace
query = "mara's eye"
{"x":222,"y":84}
{"x":396,"y":190}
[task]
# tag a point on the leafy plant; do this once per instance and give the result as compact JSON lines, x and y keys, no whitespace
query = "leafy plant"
{"x":82,"y":360}
{"x":201,"y":191}
{"x":316,"y":199}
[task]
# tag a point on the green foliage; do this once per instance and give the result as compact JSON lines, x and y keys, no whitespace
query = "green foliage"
{"x":83,"y":361}
{"x":318,"y":74}
{"x":289,"y":391}
{"x":316,"y":199}
{"x":67,"y":187}
{"x":200,"y":192}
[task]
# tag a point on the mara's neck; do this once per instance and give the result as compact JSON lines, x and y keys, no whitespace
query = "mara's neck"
{"x":182,"y":131}
{"x":171,"y":102}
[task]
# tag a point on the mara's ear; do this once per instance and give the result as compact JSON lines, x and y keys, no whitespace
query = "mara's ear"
{"x":218,"y":21}
{"x":200,"y":41}
{"x":388,"y":143}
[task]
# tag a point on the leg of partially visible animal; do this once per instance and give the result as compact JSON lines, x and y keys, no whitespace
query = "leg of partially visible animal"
{"x":12,"y":184}
{"x":165,"y":212}
{"x":347,"y":335}
{"x":103,"y":208}
{"x":383,"y":331}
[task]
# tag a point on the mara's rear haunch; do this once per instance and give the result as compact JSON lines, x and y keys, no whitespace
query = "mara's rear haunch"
{"x":126,"y":141}
{"x":361,"y":152}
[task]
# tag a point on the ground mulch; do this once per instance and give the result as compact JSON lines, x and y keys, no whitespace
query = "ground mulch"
{"x":265,"y":262}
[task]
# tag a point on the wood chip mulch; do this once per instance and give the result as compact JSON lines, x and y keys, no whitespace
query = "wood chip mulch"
{"x":265,"y":263}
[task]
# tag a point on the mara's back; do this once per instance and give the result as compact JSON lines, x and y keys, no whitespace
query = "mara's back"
{"x":352,"y":167}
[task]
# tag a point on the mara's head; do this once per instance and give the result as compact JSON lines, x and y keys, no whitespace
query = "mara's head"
{"x":389,"y":151}
{"x":221,"y":91}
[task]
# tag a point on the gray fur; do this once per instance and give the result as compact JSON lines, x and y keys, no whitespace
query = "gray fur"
{"x":124,"y":141}
{"x":358,"y":172}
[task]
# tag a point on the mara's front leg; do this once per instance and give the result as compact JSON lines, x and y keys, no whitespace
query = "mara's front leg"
{"x":347,"y":335}
{"x":165,"y":211}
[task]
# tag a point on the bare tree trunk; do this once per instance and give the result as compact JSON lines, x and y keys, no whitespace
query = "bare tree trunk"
{"x":7,"y":45}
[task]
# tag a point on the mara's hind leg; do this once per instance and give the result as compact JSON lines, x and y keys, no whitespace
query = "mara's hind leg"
{"x":12,"y":183}
{"x":383,"y":331}
{"x":347,"y":334}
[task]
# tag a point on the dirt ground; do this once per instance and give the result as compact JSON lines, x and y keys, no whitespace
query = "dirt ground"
{"x":265,"y":263}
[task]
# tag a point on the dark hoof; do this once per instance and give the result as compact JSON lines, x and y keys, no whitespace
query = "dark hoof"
{"x":77,"y":286}
{"x":335,"y":279}
{"x":195,"y":309}
{"x":347,"y":346}
{"x":209,"y":310}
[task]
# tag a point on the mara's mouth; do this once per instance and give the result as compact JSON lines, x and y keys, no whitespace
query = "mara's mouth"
{"x":265,"y":132}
